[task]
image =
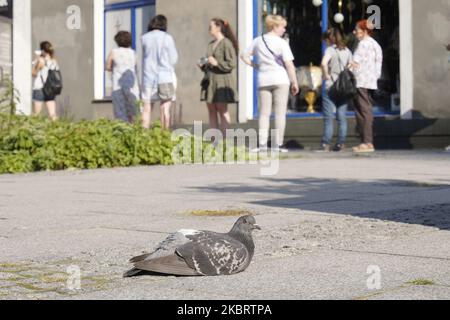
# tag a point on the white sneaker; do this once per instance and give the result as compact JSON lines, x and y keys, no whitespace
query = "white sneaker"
{"x":261,"y":149}
{"x":279,"y":150}
{"x":447,"y":149}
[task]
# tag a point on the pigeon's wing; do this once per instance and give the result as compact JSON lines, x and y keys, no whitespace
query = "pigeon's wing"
{"x":213,"y":254}
{"x":172,"y":264}
{"x":164,"y":259}
{"x":140,"y":258}
{"x":168,"y":246}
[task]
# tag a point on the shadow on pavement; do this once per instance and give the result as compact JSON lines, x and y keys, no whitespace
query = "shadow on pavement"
{"x":390,"y":200}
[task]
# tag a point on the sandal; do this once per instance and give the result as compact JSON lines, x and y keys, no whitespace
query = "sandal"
{"x":364,"y":148}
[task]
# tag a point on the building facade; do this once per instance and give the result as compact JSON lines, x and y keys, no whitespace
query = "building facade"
{"x":82,"y":32}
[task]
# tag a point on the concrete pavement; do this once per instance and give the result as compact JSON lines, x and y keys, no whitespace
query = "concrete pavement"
{"x":335,"y":226}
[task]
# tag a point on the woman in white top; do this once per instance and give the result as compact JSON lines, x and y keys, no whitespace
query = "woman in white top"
{"x":122,"y":62}
{"x":273,"y":59}
{"x":367,"y":65}
{"x":45,"y":61}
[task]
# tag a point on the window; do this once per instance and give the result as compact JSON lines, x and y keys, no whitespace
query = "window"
{"x":5,"y":39}
{"x":132,"y":16}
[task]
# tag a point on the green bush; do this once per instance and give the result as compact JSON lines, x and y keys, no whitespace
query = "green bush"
{"x":33,"y":144}
{"x":29,"y":144}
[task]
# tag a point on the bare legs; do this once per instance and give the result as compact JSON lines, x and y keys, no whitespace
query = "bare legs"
{"x":147,"y":115}
{"x":218,"y":112}
{"x":165,"y":114}
{"x":51,"y":108}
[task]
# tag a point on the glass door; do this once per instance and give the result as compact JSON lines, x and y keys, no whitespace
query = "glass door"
{"x":132,"y":16}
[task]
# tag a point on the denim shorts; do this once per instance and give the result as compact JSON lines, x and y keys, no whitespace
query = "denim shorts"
{"x":38,"y":95}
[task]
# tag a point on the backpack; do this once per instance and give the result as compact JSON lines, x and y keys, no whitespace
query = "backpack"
{"x":344,"y":89}
{"x":53,"y":86}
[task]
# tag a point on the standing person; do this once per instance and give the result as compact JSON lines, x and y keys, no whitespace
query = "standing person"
{"x":122,"y":63}
{"x":336,"y":58}
{"x":44,"y":62}
{"x":159,"y":59}
{"x":367,"y":65}
{"x":221,"y":62}
{"x":273,"y":58}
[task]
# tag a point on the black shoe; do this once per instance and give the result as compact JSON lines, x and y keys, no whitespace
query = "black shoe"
{"x":339,"y":147}
{"x":324,"y":148}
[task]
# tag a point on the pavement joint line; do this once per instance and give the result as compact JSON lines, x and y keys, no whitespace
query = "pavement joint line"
{"x":320,"y":202}
{"x":110,"y":213}
{"x":107,"y":194}
{"x":413,"y":191}
{"x":399,"y":288}
{"x":135,"y":230}
{"x":382,"y":292}
{"x":390,"y":254}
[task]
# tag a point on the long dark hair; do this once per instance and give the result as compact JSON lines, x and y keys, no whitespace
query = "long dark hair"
{"x":47,"y":47}
{"x":158,"y":23}
{"x":335,"y":37}
{"x":226,"y":30}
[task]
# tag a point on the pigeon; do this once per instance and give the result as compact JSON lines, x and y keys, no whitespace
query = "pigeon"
{"x":200,"y":253}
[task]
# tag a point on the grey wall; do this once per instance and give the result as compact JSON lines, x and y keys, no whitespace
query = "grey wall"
{"x":74,"y":51}
{"x":188,"y":23}
{"x":431,"y":31}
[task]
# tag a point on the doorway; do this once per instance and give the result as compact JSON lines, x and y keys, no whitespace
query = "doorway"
{"x":305,"y":21}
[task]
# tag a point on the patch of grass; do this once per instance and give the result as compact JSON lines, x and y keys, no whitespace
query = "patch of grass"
{"x":32,"y":280}
{"x":11,"y":265}
{"x":97,"y":282}
{"x":422,"y":282}
{"x":220,"y":213}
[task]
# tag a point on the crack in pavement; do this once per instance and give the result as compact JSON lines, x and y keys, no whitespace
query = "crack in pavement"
{"x":107,"y":194}
{"x":395,"y":289}
{"x":110,"y":213}
{"x":135,"y":230}
{"x":391,"y":254}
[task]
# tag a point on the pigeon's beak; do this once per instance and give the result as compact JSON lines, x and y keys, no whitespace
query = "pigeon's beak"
{"x":255,"y":226}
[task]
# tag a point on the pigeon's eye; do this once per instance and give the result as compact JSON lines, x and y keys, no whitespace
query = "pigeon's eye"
{"x":245,"y":221}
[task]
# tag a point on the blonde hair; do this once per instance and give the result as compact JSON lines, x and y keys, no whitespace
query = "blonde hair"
{"x":273,"y":21}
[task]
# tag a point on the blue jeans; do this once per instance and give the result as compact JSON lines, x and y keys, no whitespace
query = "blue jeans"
{"x":341,"y":116}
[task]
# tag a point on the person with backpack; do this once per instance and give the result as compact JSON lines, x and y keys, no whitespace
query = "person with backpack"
{"x":47,"y":83}
{"x":335,"y":61}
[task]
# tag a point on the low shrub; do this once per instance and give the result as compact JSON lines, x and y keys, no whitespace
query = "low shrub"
{"x":29,"y":144}
{"x":35,"y":144}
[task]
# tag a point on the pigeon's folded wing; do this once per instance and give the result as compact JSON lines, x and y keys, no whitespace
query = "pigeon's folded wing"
{"x":211,"y":254}
{"x":168,"y":246}
{"x":172,"y":264}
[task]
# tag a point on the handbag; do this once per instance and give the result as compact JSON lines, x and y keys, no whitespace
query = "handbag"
{"x":205,"y":85}
{"x":344,"y":89}
{"x":278,"y":58}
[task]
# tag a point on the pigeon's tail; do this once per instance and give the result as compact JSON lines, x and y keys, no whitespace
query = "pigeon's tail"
{"x":132,"y":273}
{"x":170,"y":265}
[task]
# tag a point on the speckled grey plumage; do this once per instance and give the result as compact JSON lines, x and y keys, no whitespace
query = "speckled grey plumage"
{"x":201,"y":253}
